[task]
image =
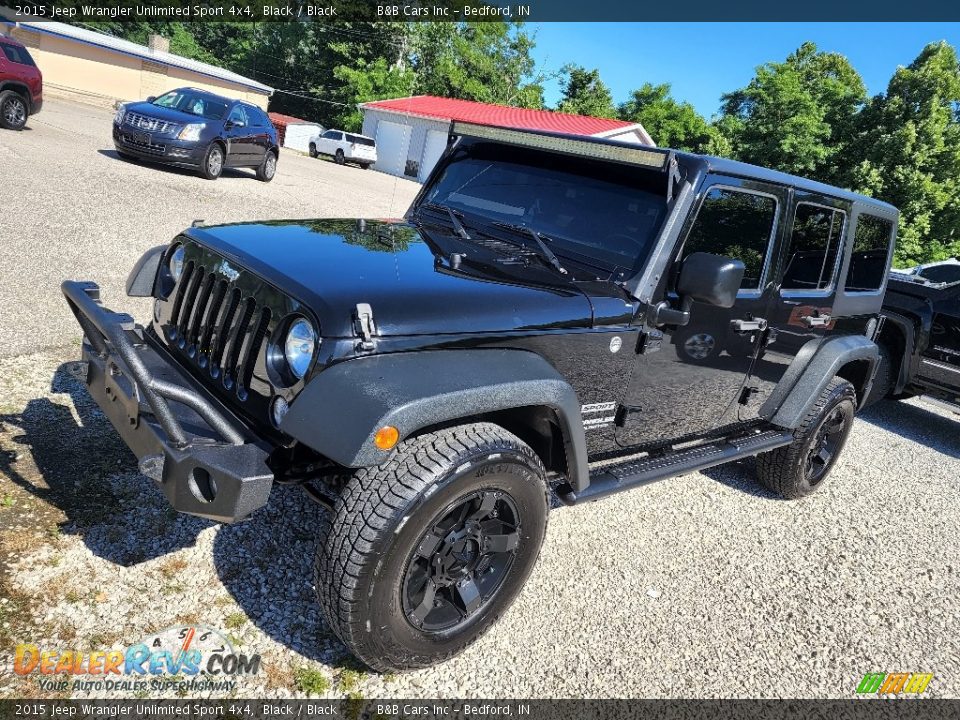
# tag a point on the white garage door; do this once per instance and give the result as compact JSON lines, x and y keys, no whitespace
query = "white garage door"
{"x":433,"y":147}
{"x":393,"y":143}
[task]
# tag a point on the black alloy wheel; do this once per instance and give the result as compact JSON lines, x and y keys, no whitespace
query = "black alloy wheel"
{"x":827,"y":442}
{"x":461,"y":561}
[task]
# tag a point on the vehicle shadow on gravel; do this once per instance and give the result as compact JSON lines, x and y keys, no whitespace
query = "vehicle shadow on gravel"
{"x":176,"y":169}
{"x":76,"y":463}
{"x":88,"y":483}
{"x":917,"y":423}
{"x":742,"y":476}
{"x":266,"y":563}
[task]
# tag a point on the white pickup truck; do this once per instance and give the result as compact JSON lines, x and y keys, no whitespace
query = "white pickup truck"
{"x":345,"y":147}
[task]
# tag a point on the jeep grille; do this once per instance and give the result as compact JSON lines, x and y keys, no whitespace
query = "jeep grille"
{"x":215,"y":325}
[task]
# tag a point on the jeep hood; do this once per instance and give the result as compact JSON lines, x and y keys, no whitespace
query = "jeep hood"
{"x":331,"y":265}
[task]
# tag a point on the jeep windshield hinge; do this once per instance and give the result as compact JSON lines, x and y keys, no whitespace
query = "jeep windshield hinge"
{"x":365,"y":326}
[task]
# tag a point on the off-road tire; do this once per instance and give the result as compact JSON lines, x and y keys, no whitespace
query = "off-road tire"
{"x":266,"y":172}
{"x":381,"y":520}
{"x":783,"y":470}
{"x":313,"y":150}
{"x":13,"y":110}
{"x":207,"y":170}
{"x":883,"y":379}
{"x":339,"y":158}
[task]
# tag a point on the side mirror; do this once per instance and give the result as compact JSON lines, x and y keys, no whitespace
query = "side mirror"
{"x":710,"y":279}
{"x":705,"y":278}
{"x":151,"y":98}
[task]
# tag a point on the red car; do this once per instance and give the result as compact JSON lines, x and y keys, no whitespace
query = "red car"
{"x":21,"y":84}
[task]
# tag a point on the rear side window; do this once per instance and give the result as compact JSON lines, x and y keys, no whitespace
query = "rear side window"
{"x":255,"y":116}
{"x":814,"y":248}
{"x":357,"y":140}
{"x":738,"y":225}
{"x":17,"y":54}
{"x":868,"y":262}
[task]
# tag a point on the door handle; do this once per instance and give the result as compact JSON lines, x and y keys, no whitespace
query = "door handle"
{"x":816,"y":321}
{"x":747,"y":326}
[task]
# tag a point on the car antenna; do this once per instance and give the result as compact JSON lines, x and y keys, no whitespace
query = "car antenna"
{"x":197,"y":223}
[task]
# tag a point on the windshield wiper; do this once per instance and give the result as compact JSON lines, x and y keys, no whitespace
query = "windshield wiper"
{"x":545,"y":250}
{"x":454,"y":220}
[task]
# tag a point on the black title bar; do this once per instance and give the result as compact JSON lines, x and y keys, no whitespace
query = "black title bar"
{"x":473,"y":10}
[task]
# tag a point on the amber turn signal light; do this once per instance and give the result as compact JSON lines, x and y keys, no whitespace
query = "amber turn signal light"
{"x":386,"y":437}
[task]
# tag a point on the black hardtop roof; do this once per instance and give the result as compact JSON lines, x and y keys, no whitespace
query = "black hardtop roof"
{"x":756,"y":172}
{"x":729,"y":167}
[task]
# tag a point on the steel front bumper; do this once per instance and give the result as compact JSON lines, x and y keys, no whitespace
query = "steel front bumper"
{"x":200,"y":455}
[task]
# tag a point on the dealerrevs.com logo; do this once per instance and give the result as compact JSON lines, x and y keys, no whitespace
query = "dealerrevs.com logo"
{"x":894,"y":683}
{"x":202,"y":655}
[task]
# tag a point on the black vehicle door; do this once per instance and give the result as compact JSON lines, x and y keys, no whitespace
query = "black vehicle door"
{"x":259,"y":134}
{"x":239,"y":141}
{"x":804,"y":290}
{"x":694,"y":382}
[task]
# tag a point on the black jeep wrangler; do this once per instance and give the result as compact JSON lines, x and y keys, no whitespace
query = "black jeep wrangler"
{"x":920,"y":338}
{"x":438,"y":380}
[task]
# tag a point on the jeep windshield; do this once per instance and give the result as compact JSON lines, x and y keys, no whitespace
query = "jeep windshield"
{"x":597,"y":213}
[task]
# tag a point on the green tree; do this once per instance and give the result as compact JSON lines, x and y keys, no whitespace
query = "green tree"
{"x":910,"y":145}
{"x":584,"y":93}
{"x":482,"y":61}
{"x":798,"y":115}
{"x":671,"y":123}
{"x":370,"y":81}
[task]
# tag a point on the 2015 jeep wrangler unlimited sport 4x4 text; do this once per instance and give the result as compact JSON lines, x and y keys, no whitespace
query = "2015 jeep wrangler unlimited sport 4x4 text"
{"x":437,"y":380}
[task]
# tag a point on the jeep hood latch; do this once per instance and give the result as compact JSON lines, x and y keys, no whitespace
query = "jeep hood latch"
{"x":365,"y":326}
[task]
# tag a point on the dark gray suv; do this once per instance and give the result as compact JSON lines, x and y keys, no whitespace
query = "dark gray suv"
{"x":195,"y":128}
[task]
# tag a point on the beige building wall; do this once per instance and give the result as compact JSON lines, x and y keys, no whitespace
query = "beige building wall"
{"x":91,"y":74}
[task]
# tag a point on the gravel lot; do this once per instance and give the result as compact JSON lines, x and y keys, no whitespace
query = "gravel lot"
{"x":72,"y":208}
{"x":702,"y":586}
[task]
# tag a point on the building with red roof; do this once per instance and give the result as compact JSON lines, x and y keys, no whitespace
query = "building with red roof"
{"x":411,"y":133}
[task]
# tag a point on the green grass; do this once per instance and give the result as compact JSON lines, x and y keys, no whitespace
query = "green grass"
{"x":310,"y":681}
{"x":235,"y":621}
{"x":349,"y":681}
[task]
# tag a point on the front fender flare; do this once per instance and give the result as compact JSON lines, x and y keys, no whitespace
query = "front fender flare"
{"x":814,"y":366}
{"x":339,"y":411}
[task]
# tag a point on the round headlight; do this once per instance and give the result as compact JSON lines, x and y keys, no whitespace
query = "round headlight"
{"x":299,"y":346}
{"x":176,"y":262}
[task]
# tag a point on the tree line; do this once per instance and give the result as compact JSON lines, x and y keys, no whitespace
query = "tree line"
{"x":809,"y":114}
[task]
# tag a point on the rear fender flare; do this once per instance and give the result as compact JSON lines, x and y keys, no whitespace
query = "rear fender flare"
{"x":814,"y":366}
{"x":340,"y":410}
{"x":906,"y":328}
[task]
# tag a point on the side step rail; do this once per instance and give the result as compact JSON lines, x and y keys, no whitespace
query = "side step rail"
{"x":626,"y":476}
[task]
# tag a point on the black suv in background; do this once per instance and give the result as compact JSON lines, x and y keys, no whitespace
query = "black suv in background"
{"x":195,"y":128}
{"x":920,"y":339}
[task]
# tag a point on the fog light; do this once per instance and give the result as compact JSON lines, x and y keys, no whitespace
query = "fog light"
{"x":280,"y":408}
{"x":386,"y":437}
